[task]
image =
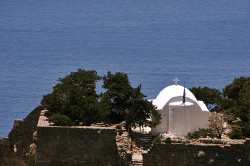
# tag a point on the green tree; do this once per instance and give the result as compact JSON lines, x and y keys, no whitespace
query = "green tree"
{"x":233,"y":90}
{"x":123,"y":102}
{"x":74,"y":101}
{"x":234,"y":101}
{"x":75,"y":97}
{"x":140,"y":111}
{"x":60,"y":120}
{"x":237,"y":95}
{"x":211,"y":97}
{"x":114,"y":100}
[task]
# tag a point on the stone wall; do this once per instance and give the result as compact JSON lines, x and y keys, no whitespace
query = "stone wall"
{"x":197,"y":155}
{"x":7,"y":156}
{"x":16,"y":149}
{"x":98,"y":146}
{"x":57,"y":145}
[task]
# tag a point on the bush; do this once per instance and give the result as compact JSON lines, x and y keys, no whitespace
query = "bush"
{"x":246,"y":130}
{"x":240,"y":130}
{"x":236,"y":134}
{"x":202,"y":133}
{"x":60,"y":120}
{"x":167,"y":140}
{"x":48,"y":113}
{"x":157,"y":140}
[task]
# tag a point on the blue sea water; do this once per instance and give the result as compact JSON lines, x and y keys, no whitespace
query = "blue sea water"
{"x":204,"y":43}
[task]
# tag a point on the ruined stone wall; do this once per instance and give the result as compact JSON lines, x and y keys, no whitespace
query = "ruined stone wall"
{"x":57,"y":145}
{"x":198,"y":155}
{"x":22,"y":132}
{"x":7,"y":156}
{"x":4,"y":147}
{"x":15,"y":150}
{"x":97,"y":146}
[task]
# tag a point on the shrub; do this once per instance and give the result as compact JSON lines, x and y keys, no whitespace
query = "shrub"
{"x":167,"y":140}
{"x":60,"y":120}
{"x":240,"y":130}
{"x":202,"y":133}
{"x":236,"y":134}
{"x":157,"y":140}
{"x":48,"y":113}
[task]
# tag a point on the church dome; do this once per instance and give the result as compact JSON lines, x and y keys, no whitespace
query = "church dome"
{"x":170,"y":92}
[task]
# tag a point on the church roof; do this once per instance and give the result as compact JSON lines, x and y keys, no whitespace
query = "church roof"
{"x":170,"y":92}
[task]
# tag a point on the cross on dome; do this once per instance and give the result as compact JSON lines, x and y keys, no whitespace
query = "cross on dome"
{"x":176,"y":80}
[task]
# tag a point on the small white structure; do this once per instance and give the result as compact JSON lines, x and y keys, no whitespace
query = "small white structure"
{"x":180,"y":111}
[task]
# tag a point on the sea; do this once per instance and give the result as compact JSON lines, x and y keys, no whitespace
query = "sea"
{"x":202,"y":42}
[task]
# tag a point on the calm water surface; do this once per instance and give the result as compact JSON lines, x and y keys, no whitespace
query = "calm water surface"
{"x":205,"y":43}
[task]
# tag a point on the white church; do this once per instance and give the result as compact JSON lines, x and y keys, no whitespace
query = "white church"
{"x":180,"y":111}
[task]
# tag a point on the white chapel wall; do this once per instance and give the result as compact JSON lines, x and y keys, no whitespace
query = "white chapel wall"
{"x":180,"y":121}
{"x":163,"y":126}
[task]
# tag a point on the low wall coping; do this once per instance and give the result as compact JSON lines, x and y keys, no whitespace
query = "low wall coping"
{"x":44,"y":122}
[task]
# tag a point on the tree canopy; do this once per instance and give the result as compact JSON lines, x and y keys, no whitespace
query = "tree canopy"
{"x":123,"y":102}
{"x":74,"y":101}
{"x":211,"y":97}
{"x":237,"y":103}
{"x":233,"y":101}
{"x":75,"y":97}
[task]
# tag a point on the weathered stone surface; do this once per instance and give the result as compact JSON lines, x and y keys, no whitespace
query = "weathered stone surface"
{"x":57,"y":145}
{"x":16,"y":149}
{"x":197,"y":155}
{"x":99,"y":146}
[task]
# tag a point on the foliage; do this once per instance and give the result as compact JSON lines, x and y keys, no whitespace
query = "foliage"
{"x":157,"y":140}
{"x":114,"y":100}
{"x":235,"y":134}
{"x":167,"y":140}
{"x":139,"y":110}
{"x":74,"y":101}
{"x":237,"y":94}
{"x":245,"y":129}
{"x":211,"y":97}
{"x":32,"y":160}
{"x":233,"y":102}
{"x":123,"y":102}
{"x":240,"y":130}
{"x":60,"y":120}
{"x":202,"y":133}
{"x":75,"y":97}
